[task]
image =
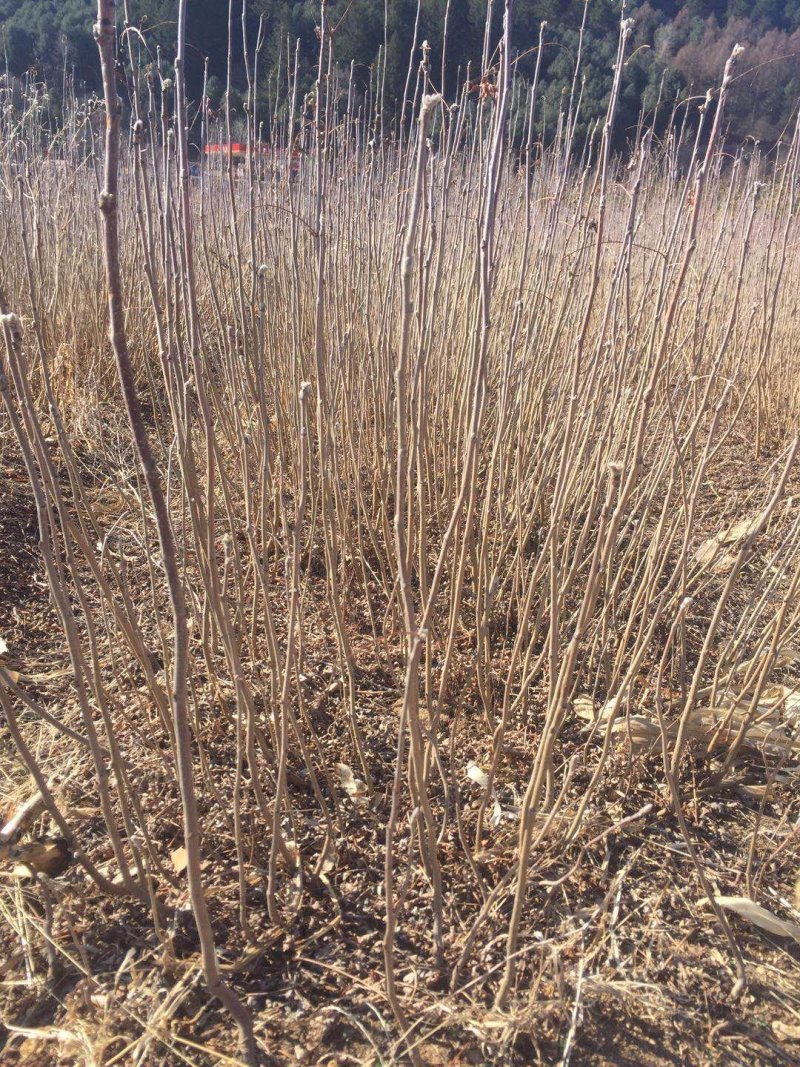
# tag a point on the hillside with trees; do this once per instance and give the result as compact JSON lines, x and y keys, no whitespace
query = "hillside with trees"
{"x":678,"y":48}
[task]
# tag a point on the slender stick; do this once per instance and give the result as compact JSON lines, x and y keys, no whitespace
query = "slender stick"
{"x":105,"y":36}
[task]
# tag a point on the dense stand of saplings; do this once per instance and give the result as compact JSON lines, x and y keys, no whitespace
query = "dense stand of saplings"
{"x":451,"y":406}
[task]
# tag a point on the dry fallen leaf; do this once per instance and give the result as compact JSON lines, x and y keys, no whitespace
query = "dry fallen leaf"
{"x":707,"y":551}
{"x":725,"y":564}
{"x":179,"y":859}
{"x":119,"y":877}
{"x":786,"y":1031}
{"x":738,"y":530}
{"x":762,"y":729}
{"x":787,"y":655}
{"x":759,"y":916}
{"x":584,"y":707}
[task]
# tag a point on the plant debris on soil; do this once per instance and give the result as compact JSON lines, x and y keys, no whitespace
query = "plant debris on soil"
{"x":622,"y":960}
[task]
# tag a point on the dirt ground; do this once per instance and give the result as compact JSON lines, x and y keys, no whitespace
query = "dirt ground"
{"x":620,"y":964}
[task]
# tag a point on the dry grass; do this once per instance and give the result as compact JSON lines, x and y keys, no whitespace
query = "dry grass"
{"x":492,"y":624}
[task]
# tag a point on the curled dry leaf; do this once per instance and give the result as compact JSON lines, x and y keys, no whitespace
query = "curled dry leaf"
{"x":786,"y":656}
{"x":741,"y":529}
{"x":767,"y":726}
{"x":351,"y":785}
{"x":737,"y":531}
{"x":758,"y":916}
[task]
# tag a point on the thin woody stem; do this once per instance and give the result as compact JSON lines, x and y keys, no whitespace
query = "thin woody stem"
{"x":105,"y":37}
